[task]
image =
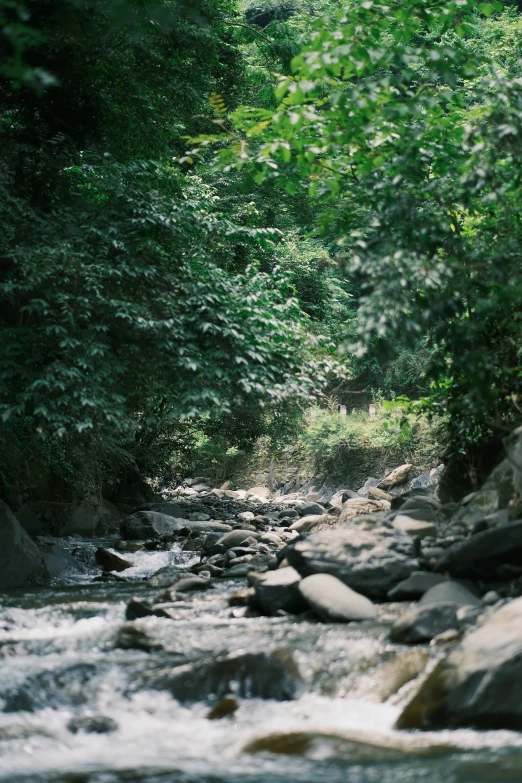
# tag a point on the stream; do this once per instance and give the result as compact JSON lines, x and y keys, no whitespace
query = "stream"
{"x":75,"y":708}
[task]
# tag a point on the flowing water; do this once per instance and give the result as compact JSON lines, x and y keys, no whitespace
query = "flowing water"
{"x":73,"y":708}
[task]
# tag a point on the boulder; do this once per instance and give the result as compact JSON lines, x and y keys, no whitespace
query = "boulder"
{"x":414,"y":527}
{"x":307,"y":508}
{"x":259,"y":492}
{"x":279,"y":589}
{"x":167,"y":576}
{"x":371,"y":562}
{"x":236,"y":538}
{"x":479,"y":557}
{"x":423,"y":622}
{"x":333,"y":601}
{"x":191,"y":583}
{"x":355,"y":507}
{"x":396,"y":477}
{"x":305,"y":524}
{"x":494,"y":495}
{"x":109,"y":561}
{"x":248,"y":675}
{"x":21,"y":563}
{"x":57,"y":559}
{"x":139,"y":607}
{"x":414,"y":587}
{"x":364,"y":490}
{"x":448,"y":591}
{"x":422,"y":507}
{"x":30,"y":521}
{"x":479,"y":683}
{"x":93,"y":518}
{"x":150,"y":524}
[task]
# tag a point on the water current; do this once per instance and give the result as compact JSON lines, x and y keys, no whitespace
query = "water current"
{"x":73,"y":707}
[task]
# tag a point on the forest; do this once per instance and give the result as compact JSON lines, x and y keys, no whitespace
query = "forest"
{"x":260,"y":391}
{"x":214,"y":217}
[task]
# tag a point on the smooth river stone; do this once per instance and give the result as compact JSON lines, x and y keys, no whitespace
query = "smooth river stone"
{"x":333,"y":601}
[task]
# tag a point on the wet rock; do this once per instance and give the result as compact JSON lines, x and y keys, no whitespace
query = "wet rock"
{"x":92,"y":724}
{"x":446,"y":637}
{"x":21,"y":563}
{"x":138,"y":607}
{"x":356,"y":507}
{"x":396,"y":477}
{"x":191,"y":583}
{"x":248,"y":675}
{"x":212,"y":526}
{"x":480,"y":556}
{"x":150,"y":524}
{"x":236,"y":538}
{"x":246,"y":516}
{"x":280,"y":590}
{"x":371,"y":562}
{"x":110,"y":561}
{"x":57,"y":559}
{"x":333,"y":601}
{"x":210,"y":568}
{"x":308,"y":509}
{"x":127,"y":546}
{"x":479,"y":683}
{"x":449,"y":591}
{"x":130,"y":637}
{"x":227,"y":706}
{"x":167,"y":576}
{"x":414,"y":527}
{"x":305,"y":524}
{"x":415,"y":586}
{"x":468,"y":615}
{"x":422,"y":623}
{"x":491,"y":598}
{"x":243,"y":597}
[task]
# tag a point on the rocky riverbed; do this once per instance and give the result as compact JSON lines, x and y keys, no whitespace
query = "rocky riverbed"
{"x":219,"y":636}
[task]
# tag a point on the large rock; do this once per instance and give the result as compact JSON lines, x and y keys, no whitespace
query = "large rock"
{"x":371,"y":562}
{"x":494,"y":495}
{"x":305,"y":524}
{"x":414,"y":587}
{"x":307,"y":508}
{"x":422,"y":623}
{"x":333,"y":601}
{"x":479,"y":683}
{"x":414,"y":527}
{"x":356,"y":507}
{"x":150,"y":524}
{"x":280,"y":590}
{"x":261,"y":675}
{"x":21,"y":563}
{"x":449,"y":591}
{"x":479,"y":557}
{"x":167,"y":576}
{"x":235,"y":538}
{"x":259,"y":492}
{"x":109,"y":561}
{"x":57,"y":560}
{"x":93,"y":517}
{"x":396,"y":477}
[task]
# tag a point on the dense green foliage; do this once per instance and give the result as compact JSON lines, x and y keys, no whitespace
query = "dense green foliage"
{"x":354,"y":182}
{"x":405,"y":118}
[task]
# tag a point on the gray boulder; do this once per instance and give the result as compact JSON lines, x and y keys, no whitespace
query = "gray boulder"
{"x":307,"y":508}
{"x":167,"y":576}
{"x":21,"y":563}
{"x":414,"y":587}
{"x":479,"y":557}
{"x":396,"y":477}
{"x":150,"y":524}
{"x":371,"y":562}
{"x":249,"y":675}
{"x":235,"y":538}
{"x":479,"y":683}
{"x":414,"y":527}
{"x":423,"y":622}
{"x":279,"y":589}
{"x":333,"y":601}
{"x":449,"y":591}
{"x":305,"y":524}
{"x":57,"y":560}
